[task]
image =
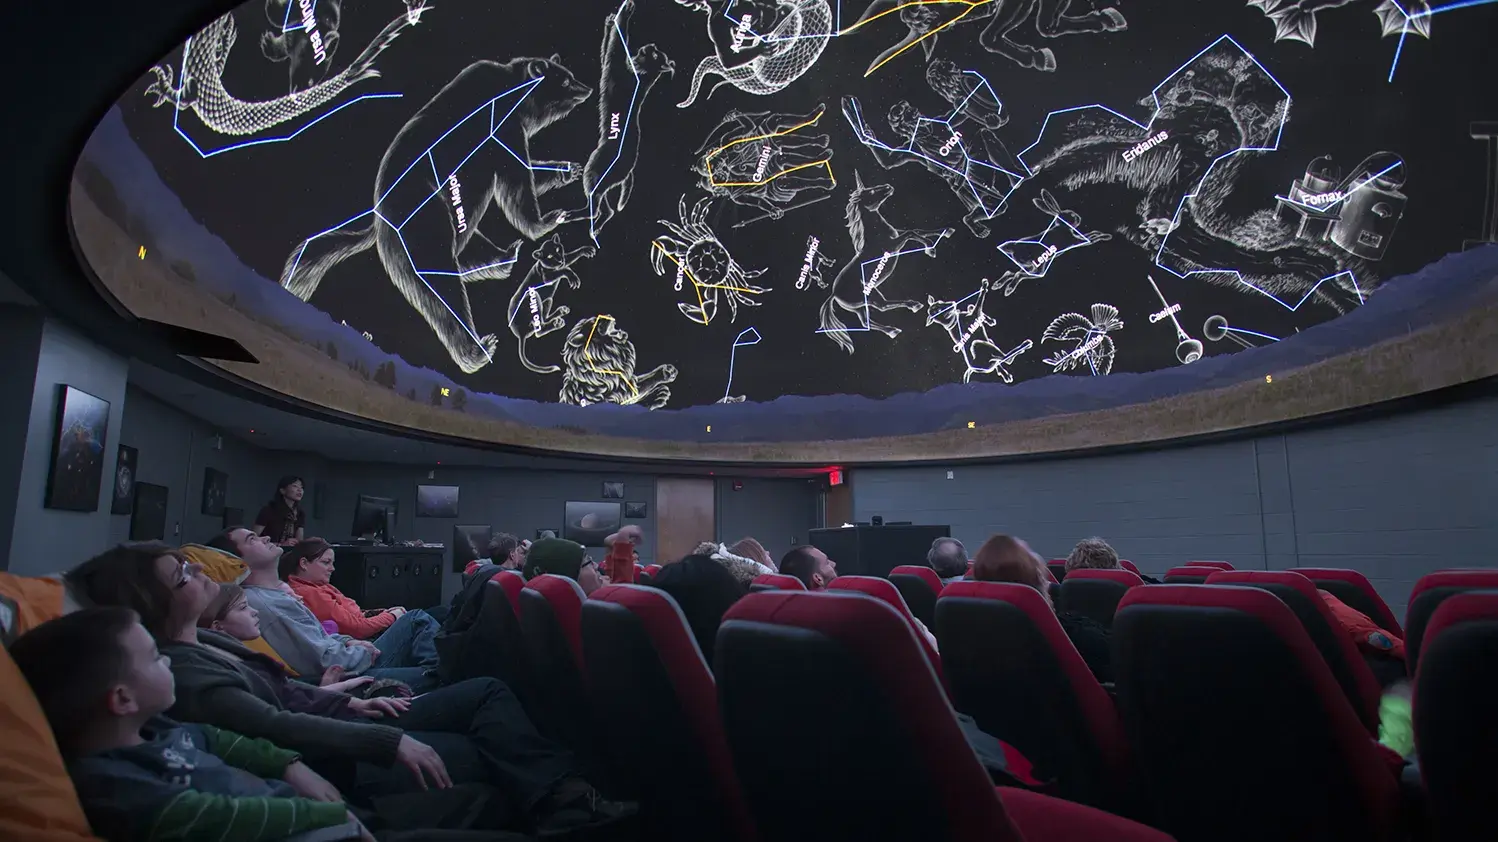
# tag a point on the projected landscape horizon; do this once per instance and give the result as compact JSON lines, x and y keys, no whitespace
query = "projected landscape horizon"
{"x":816,"y":230}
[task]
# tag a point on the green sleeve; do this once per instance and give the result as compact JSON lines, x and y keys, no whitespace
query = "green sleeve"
{"x":261,"y":758}
{"x":193,"y":816}
{"x":1396,"y":729}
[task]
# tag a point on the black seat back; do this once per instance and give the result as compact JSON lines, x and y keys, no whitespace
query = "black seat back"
{"x":919,"y":597}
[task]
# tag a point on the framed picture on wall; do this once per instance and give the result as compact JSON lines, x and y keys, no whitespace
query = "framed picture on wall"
{"x":124,"y":481}
{"x":436,"y":501}
{"x":589,"y":522}
{"x":215,"y":491}
{"x":148,"y":521}
{"x":613,"y":491}
{"x":635,"y":511}
{"x":78,"y":442}
{"x":470,"y":543}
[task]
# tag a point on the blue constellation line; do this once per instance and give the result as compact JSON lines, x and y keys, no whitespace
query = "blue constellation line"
{"x":1409,"y":19}
{"x":623,"y":132}
{"x":1345,"y":196}
{"x":286,"y":24}
{"x":867,"y":288}
{"x":495,"y":123}
{"x":1231,"y":329}
{"x":1049,"y":252}
{"x":738,"y":342}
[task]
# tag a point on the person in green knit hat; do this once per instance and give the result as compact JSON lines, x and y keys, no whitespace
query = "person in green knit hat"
{"x":560,"y":557}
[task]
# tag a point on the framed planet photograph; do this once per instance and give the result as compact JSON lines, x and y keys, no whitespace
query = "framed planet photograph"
{"x":589,"y":522}
{"x":125,"y":466}
{"x":77,"y":451}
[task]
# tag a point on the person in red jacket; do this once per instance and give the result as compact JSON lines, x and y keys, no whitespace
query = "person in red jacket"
{"x":619,"y":566}
{"x":406,"y":638}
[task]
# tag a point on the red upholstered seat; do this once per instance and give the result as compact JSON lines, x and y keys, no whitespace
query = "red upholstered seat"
{"x":777,"y":582}
{"x":1095,"y":593}
{"x":1454,"y":726}
{"x":1129,"y":566}
{"x":1353,"y":588}
{"x":512,"y":583}
{"x":1283,"y":749}
{"x":1013,"y":669}
{"x":920,"y":587}
{"x":1220,"y":565}
{"x":551,"y":618}
{"x":884,"y":591}
{"x":1429,"y":593}
{"x":883,"y":756}
{"x":1057,"y":569}
{"x":652,"y":569}
{"x":1336,"y":646}
{"x":1189,"y":575}
{"x":645,"y":666}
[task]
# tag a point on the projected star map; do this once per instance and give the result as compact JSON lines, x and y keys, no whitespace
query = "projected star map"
{"x":691,"y":202}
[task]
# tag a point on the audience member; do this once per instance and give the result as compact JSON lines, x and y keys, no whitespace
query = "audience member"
{"x":705,"y":590}
{"x":561,"y":557}
{"x":508,"y":552}
{"x":1004,"y":558}
{"x":743,"y":569}
{"x":810,"y":565}
{"x":291,"y":628}
{"x":476,"y":728}
{"x":948,"y":557}
{"x":619,"y":564}
{"x":754,"y":551}
{"x":403,"y":637}
{"x":141,"y":776}
{"x":1097,"y":554}
{"x":283,"y":519}
{"x":1381,"y":649}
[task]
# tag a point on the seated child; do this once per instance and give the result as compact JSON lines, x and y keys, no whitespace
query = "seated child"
{"x":103,"y":685}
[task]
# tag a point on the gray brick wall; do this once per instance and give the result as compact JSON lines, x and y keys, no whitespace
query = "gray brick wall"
{"x":1394,"y":497}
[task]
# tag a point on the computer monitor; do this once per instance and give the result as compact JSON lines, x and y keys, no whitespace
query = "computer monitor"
{"x":374,"y":517}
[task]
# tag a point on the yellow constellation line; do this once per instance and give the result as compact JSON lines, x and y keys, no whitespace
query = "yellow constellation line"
{"x":707,"y":160}
{"x":588,"y":356}
{"x":698,"y":286}
{"x":970,"y":4}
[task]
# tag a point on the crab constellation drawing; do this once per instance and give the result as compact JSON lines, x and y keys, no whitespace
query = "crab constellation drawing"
{"x":967,"y":324}
{"x":1088,"y":334}
{"x":702,"y":260}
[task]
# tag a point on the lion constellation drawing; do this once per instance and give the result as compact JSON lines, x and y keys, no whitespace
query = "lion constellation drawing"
{"x":598,"y":363}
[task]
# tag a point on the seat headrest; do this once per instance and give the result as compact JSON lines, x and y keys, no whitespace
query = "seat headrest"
{"x":1121,"y":576}
{"x":1455,"y":579}
{"x":566,"y":598}
{"x":780,"y":581}
{"x":1220,"y":565}
{"x":1462,"y":608}
{"x":925,"y":574}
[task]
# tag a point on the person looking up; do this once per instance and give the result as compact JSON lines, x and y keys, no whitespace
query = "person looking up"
{"x":141,"y":776}
{"x":404,"y":638}
{"x":472,"y":731}
{"x":810,"y":565}
{"x":508,"y":552}
{"x":291,"y":628}
{"x":282,"y":519}
{"x":754,"y":551}
{"x":1004,"y":558}
{"x":948,"y":557}
{"x":560,"y":557}
{"x":705,"y":590}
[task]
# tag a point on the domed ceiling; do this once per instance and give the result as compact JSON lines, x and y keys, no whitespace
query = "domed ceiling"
{"x":811,"y":230}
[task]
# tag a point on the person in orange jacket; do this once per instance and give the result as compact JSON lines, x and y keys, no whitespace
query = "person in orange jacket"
{"x":404,"y":637}
{"x":619,"y":565}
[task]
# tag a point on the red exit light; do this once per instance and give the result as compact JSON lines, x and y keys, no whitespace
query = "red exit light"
{"x":835,"y":476}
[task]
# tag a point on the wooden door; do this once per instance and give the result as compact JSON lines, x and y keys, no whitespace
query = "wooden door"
{"x":684,"y":516}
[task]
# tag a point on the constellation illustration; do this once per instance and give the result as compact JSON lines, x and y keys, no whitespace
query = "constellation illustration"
{"x":701,"y":260}
{"x":1188,"y":350}
{"x":1216,"y":329}
{"x":490,"y":140}
{"x":598,"y":366}
{"x":200,"y":88}
{"x":1093,"y":345}
{"x":1358,"y":214}
{"x":760,"y":161}
{"x":861,"y":292}
{"x":1033,"y":255}
{"x":795,"y":32}
{"x":748,"y":336}
{"x":533,"y":312}
{"x":982,"y":183}
{"x":970,"y":339}
{"x":1295,"y":20}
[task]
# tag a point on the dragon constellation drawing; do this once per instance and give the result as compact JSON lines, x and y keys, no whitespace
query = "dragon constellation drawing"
{"x":1295,"y":20}
{"x":533,"y":311}
{"x":200,"y":88}
{"x":858,"y":287}
{"x":967,"y":325}
{"x":626,"y":82}
{"x":598,"y":366}
{"x":465,"y":136}
{"x":763,"y":47}
{"x":979,"y":170}
{"x":762,"y":160}
{"x":1033,"y":255}
{"x":1089,"y":334}
{"x":701,"y":260}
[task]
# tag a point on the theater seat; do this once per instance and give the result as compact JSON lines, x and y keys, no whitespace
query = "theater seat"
{"x":1220,"y":565}
{"x":494,"y":646}
{"x":1189,"y":575}
{"x":1456,"y":735}
{"x":1013,"y":669}
{"x":1238,"y":724}
{"x":1353,"y":588}
{"x":920,"y":587}
{"x":880,"y":754}
{"x":644,"y":667}
{"x":1429,"y":593}
{"x":1057,"y":568}
{"x":652,"y":569}
{"x":1129,"y":566}
{"x":551,"y":618}
{"x":1095,"y":593}
{"x":1336,"y":646}
{"x":884,"y":591}
{"x":776,"y":582}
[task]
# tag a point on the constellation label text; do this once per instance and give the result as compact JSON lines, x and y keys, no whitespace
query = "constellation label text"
{"x":1146,"y":146}
{"x":1165,"y":314}
{"x":456,"y":193}
{"x":946,"y":148}
{"x":803,"y":279}
{"x":309,"y":24}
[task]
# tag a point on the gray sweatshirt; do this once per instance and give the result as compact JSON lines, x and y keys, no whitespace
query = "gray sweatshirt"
{"x":299,"y":638}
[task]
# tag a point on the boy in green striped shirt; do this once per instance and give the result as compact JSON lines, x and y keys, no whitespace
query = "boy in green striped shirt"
{"x":142,"y":777}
